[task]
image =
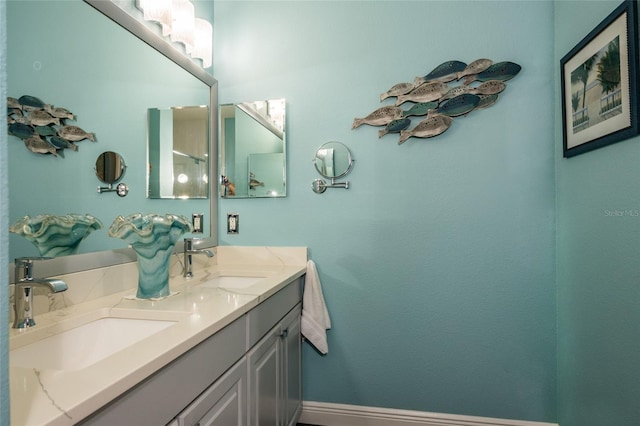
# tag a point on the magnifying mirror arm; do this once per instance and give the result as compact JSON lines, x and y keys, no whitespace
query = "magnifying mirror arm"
{"x":121,"y":189}
{"x":320,"y":185}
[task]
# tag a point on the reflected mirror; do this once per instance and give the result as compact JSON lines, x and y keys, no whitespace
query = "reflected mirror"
{"x":253,"y":149}
{"x":109,"y":167}
{"x":178,"y":152}
{"x":333,"y":160}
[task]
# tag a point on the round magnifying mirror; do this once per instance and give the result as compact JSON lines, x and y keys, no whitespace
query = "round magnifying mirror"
{"x":109,"y":167}
{"x":333,"y":160}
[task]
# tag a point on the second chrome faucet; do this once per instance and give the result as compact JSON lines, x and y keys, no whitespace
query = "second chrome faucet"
{"x":189,"y":251}
{"x":23,"y":297}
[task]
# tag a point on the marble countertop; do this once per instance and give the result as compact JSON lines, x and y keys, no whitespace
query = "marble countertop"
{"x":54,"y":397}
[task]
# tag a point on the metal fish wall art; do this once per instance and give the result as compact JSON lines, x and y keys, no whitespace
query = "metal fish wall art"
{"x":452,"y":89}
{"x":380,"y":117}
{"x":43,"y":127}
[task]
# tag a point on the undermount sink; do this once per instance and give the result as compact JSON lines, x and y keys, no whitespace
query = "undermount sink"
{"x":232,"y":282}
{"x":82,"y":346}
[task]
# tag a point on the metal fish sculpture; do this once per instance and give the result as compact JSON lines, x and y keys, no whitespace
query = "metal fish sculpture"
{"x":455,"y":91}
{"x":502,"y":71}
{"x":380,"y":117}
{"x":31,"y":103}
{"x":444,"y":72}
{"x":60,"y":112}
{"x":427,"y":128}
{"x":21,"y":130}
{"x":475,"y":67}
{"x":254,"y":183}
{"x":46,"y":130}
{"x":13,"y":103}
{"x":42,"y":118}
{"x":39,"y":146}
{"x":75,"y":134}
{"x":396,"y":126}
{"x":421,"y":108}
{"x":425,"y":93}
{"x":486,"y":101}
{"x":398,"y":89}
{"x":60,"y":143}
{"x":460,"y":105}
{"x":491,"y":87}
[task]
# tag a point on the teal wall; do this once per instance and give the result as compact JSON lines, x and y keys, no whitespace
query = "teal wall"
{"x":4,"y":233}
{"x":598,"y":251}
{"x":438,"y":264}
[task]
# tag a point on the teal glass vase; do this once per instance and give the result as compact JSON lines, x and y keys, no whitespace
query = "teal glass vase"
{"x":55,"y":235}
{"x":152,"y":237}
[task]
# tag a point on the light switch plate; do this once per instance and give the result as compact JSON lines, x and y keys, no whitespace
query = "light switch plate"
{"x":197,"y":222}
{"x":233,"y":223}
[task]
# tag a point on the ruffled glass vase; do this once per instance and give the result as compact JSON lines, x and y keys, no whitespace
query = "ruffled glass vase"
{"x":152,"y":237}
{"x":54,"y":235}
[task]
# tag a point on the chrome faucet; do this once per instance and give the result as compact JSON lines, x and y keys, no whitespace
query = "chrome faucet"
{"x":23,"y":297}
{"x":188,"y":252}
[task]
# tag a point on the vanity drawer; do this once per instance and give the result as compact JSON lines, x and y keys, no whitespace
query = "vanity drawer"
{"x":269,"y":312}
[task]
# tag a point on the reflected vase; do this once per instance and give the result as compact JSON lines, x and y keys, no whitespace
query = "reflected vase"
{"x":152,"y":237}
{"x":55,"y":235}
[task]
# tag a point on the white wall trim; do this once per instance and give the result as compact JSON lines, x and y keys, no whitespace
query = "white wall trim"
{"x":328,"y":414}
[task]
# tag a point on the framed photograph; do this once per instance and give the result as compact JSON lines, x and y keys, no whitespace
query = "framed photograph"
{"x":599,"y":83}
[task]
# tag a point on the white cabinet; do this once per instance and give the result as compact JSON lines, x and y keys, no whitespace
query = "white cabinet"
{"x":275,"y":394}
{"x":222,"y":404}
{"x":248,"y":373}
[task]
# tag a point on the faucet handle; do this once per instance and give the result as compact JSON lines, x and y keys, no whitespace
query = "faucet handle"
{"x":24,"y":267}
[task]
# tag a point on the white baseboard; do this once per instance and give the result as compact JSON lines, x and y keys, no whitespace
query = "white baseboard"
{"x":327,"y":414}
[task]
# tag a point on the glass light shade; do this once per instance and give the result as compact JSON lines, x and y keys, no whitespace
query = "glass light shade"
{"x":203,"y":47}
{"x":183,"y":26}
{"x":157,"y":11}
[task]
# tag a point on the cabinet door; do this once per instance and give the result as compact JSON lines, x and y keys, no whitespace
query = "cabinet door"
{"x":265,"y":383}
{"x":292,"y":357}
{"x":222,"y":404}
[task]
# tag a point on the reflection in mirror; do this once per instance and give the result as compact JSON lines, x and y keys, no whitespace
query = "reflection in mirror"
{"x":333,"y":160}
{"x":112,"y":100}
{"x":178,"y":152}
{"x":253,"y":149}
{"x":109,"y":167}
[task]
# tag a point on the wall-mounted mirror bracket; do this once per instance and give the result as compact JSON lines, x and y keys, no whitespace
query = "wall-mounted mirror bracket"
{"x":333,"y":160}
{"x":121,"y":189}
{"x":320,"y":185}
{"x":109,"y":169}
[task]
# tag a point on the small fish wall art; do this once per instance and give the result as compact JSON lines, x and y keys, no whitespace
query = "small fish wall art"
{"x":452,"y":89}
{"x":42,"y":127}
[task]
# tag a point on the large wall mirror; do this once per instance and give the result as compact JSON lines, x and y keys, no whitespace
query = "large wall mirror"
{"x":253,"y":149}
{"x":119,"y":74}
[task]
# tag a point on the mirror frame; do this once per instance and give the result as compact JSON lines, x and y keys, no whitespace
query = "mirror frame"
{"x":101,"y":259}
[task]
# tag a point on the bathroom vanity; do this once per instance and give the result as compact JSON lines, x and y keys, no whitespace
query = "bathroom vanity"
{"x":230,"y":353}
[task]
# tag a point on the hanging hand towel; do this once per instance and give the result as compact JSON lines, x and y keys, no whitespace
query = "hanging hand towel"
{"x":315,"y":317}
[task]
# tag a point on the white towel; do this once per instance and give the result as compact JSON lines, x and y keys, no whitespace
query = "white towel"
{"x":315,"y":317}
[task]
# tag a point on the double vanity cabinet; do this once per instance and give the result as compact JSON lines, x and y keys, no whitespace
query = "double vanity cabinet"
{"x":249,"y":373}
{"x":229,"y":354}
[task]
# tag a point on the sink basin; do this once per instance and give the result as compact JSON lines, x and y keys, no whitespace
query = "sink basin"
{"x":232,"y":282}
{"x":82,"y":346}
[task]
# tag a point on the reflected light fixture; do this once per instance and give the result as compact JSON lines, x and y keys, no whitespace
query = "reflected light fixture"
{"x":178,"y":21}
{"x":202,"y":48}
{"x":183,"y":14}
{"x":157,"y":11}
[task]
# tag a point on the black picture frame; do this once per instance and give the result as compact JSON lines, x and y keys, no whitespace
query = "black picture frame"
{"x":599,"y":81}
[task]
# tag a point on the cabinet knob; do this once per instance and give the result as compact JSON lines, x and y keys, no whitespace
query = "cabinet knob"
{"x":284,"y":333}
